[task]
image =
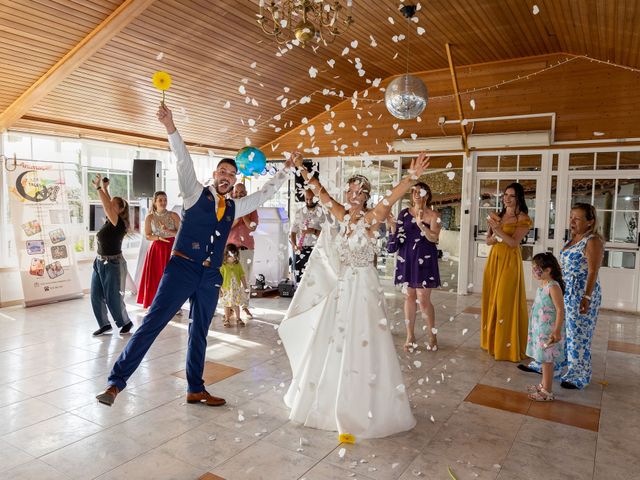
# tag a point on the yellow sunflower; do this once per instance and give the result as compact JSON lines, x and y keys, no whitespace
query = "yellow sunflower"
{"x":161,"y":80}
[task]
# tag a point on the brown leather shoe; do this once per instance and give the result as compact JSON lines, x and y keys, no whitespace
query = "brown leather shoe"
{"x":204,"y":397}
{"x":108,"y":396}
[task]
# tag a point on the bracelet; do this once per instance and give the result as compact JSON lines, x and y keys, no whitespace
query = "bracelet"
{"x":98,"y":187}
{"x":587,"y":297}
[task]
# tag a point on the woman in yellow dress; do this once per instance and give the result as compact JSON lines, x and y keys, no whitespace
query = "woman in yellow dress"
{"x":504,"y":305}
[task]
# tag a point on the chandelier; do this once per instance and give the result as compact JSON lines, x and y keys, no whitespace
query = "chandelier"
{"x":305,"y":20}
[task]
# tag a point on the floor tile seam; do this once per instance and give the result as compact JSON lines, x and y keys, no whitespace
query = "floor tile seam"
{"x":34,"y":424}
{"x":301,"y":477}
{"x":31,"y":457}
{"x":581,"y":457}
{"x":222,"y":464}
{"x":4,"y":435}
{"x":108,"y":427}
{"x":48,"y":391}
{"x":142,"y":453}
{"x":85,"y":378}
{"x":63,"y":446}
{"x":511,"y":447}
{"x":56,"y":406}
{"x":210,"y":467}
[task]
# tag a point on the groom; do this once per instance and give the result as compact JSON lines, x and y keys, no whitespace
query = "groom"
{"x":193,"y":272}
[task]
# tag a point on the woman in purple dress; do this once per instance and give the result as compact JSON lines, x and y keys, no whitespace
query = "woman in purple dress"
{"x":414,"y":236}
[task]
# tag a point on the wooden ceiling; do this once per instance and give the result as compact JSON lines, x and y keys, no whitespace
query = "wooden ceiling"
{"x":210,"y":49}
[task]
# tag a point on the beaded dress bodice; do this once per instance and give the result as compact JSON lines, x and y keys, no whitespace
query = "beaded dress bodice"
{"x":356,"y":248}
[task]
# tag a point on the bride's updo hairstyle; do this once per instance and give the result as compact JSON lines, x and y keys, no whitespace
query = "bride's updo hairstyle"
{"x":363,"y":183}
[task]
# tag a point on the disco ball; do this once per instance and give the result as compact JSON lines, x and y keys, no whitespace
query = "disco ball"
{"x":406,"y":97}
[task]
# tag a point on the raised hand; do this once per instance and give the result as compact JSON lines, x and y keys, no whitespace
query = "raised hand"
{"x":166,"y":118}
{"x":96,"y":182}
{"x":419,"y":164}
{"x":296,"y":159}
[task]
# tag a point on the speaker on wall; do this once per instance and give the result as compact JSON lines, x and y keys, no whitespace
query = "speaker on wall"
{"x":311,"y":167}
{"x":146,"y":177}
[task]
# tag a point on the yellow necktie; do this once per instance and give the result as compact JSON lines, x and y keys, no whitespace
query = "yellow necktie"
{"x":221,"y":207}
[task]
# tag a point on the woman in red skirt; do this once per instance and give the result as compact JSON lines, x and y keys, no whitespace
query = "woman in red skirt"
{"x":160,"y":227}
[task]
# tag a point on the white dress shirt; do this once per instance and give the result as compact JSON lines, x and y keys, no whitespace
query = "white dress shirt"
{"x":191,"y":188}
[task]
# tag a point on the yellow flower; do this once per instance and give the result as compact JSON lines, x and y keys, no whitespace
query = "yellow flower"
{"x":346,"y":438}
{"x":161,"y":80}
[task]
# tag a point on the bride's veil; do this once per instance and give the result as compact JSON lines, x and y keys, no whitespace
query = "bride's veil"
{"x":311,"y":303}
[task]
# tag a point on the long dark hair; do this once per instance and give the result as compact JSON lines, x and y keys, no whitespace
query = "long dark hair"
{"x":520,"y":201}
{"x":546,"y":260}
{"x":124,"y":214}
{"x":425,"y":187}
{"x":155,"y":197}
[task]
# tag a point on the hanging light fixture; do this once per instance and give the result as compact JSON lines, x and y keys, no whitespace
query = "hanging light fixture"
{"x":305,"y":20}
{"x":406,"y":97}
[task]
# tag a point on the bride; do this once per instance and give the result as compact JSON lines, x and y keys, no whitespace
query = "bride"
{"x":346,"y":374}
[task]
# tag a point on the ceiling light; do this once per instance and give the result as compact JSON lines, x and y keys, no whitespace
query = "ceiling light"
{"x":305,"y":20}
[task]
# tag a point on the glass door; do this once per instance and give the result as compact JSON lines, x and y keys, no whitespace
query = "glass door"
{"x":616,"y":196}
{"x":488,"y":191}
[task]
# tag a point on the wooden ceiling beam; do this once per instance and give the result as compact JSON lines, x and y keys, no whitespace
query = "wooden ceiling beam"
{"x":454,"y":80}
{"x":96,"y":39}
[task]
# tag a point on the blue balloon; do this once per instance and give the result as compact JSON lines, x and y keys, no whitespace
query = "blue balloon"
{"x":251,"y":160}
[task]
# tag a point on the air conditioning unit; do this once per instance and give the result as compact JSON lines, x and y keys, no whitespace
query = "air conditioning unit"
{"x":506,"y":140}
{"x":428,"y":144}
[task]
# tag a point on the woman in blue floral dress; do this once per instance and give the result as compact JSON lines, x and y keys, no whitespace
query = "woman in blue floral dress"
{"x":580,"y":259}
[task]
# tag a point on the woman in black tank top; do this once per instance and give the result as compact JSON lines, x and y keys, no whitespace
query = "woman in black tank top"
{"x":110,"y":267}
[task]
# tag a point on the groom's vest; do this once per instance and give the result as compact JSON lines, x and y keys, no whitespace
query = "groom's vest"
{"x":201,"y":235}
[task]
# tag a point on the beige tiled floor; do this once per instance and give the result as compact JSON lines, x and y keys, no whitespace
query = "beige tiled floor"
{"x":52,"y":428}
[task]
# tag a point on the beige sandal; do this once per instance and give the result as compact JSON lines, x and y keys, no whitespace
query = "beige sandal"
{"x":542,"y":396}
{"x":240,"y":323}
{"x":534,"y":388}
{"x":226,"y":323}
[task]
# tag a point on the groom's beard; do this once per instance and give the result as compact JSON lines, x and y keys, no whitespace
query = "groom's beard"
{"x":223,"y":187}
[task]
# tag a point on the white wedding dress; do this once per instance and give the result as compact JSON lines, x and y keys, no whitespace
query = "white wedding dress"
{"x":346,"y":374}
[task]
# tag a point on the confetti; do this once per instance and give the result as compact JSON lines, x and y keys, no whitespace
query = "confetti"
{"x":313,"y":72}
{"x":535,"y":10}
{"x":420,"y":30}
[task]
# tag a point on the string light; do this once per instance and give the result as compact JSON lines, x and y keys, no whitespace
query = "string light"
{"x":463,"y":92}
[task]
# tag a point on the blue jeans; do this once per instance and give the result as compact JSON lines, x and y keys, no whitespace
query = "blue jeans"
{"x":181,"y":279}
{"x":107,"y":290}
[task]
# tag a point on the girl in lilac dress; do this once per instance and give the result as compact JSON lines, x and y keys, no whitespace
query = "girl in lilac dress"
{"x":414,"y":236}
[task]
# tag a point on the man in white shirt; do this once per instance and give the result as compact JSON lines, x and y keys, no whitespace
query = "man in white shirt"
{"x":305,"y":228}
{"x":193,"y":272}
